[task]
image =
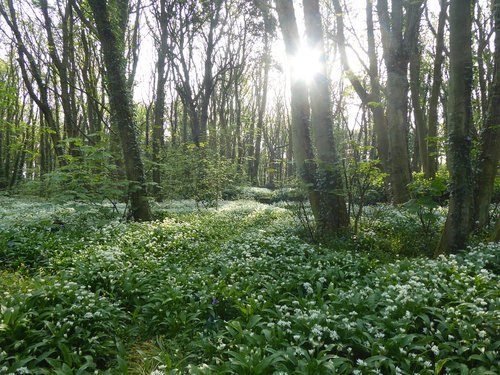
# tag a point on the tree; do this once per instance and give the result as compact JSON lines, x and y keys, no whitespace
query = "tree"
{"x":396,"y":29}
{"x":319,"y":172}
{"x":458,"y":221}
{"x":415,"y":94}
{"x":109,"y":20}
{"x":437,"y":79}
{"x":371,"y":98}
{"x":300,"y":110}
{"x":161,"y":79}
{"x":263,"y":89}
{"x":490,"y":139}
{"x":333,"y":212}
{"x":61,"y":63}
{"x":31,"y":73}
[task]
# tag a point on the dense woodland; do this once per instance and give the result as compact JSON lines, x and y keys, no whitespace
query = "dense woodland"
{"x":249,"y":186}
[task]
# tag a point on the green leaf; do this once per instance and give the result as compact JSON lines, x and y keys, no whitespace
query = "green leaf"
{"x":439,"y":365}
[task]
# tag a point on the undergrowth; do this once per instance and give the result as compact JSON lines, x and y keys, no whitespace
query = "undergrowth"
{"x":236,"y":290}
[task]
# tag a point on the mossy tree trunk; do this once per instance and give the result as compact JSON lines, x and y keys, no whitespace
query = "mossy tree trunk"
{"x":109,"y":33}
{"x":458,"y":221}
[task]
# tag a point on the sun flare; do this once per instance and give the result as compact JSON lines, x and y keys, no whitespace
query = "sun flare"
{"x":305,"y":64}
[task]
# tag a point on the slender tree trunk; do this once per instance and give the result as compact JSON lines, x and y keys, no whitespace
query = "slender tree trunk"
{"x":418,"y":112}
{"x":261,"y":111}
{"x":458,"y":221}
{"x":121,"y":104}
{"x":379,"y":117}
{"x":61,"y":66}
{"x":159,"y":107}
{"x":239,"y":125}
{"x":208,"y":79}
{"x":490,"y":139}
{"x":433,"y":103}
{"x":371,"y":99}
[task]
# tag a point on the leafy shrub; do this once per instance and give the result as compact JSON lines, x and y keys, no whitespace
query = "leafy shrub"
{"x":197,"y":173}
{"x":258,"y":194}
{"x":92,"y":178}
{"x":287,"y":194}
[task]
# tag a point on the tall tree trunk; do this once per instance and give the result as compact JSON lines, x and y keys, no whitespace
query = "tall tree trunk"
{"x":482,"y":44}
{"x":239,"y":126}
{"x":437,"y":79}
{"x":418,"y":112}
{"x":490,"y":139}
{"x":302,"y":147}
{"x":261,"y":110}
{"x":458,"y":221}
{"x":396,"y":60}
{"x":159,"y":106}
{"x":266,"y":60}
{"x":379,"y":117}
{"x":121,"y":103}
{"x":208,"y":78}
{"x":333,"y":212}
{"x":61,"y":66}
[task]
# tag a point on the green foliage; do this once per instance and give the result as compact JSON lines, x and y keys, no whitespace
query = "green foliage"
{"x":425,"y":200}
{"x":197,"y":173}
{"x":54,"y":324}
{"x":233,"y":290}
{"x":399,"y":231}
{"x":93,"y":177}
{"x":364,"y":181}
{"x":364,"y":178}
{"x":496,"y":190}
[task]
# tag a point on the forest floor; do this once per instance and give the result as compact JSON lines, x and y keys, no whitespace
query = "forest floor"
{"x":238,"y":290}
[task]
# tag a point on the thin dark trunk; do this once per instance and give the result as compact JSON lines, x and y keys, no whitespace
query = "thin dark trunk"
{"x":433,"y":103}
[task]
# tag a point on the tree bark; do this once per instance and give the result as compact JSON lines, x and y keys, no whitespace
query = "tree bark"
{"x":458,"y":221}
{"x":121,"y":103}
{"x":159,"y":107}
{"x":396,"y":58}
{"x":490,"y":139}
{"x":437,"y":79}
{"x":333,"y":212}
{"x":418,"y":112}
{"x":300,"y":110}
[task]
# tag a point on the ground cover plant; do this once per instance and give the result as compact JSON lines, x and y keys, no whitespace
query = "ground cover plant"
{"x":237,"y":290}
